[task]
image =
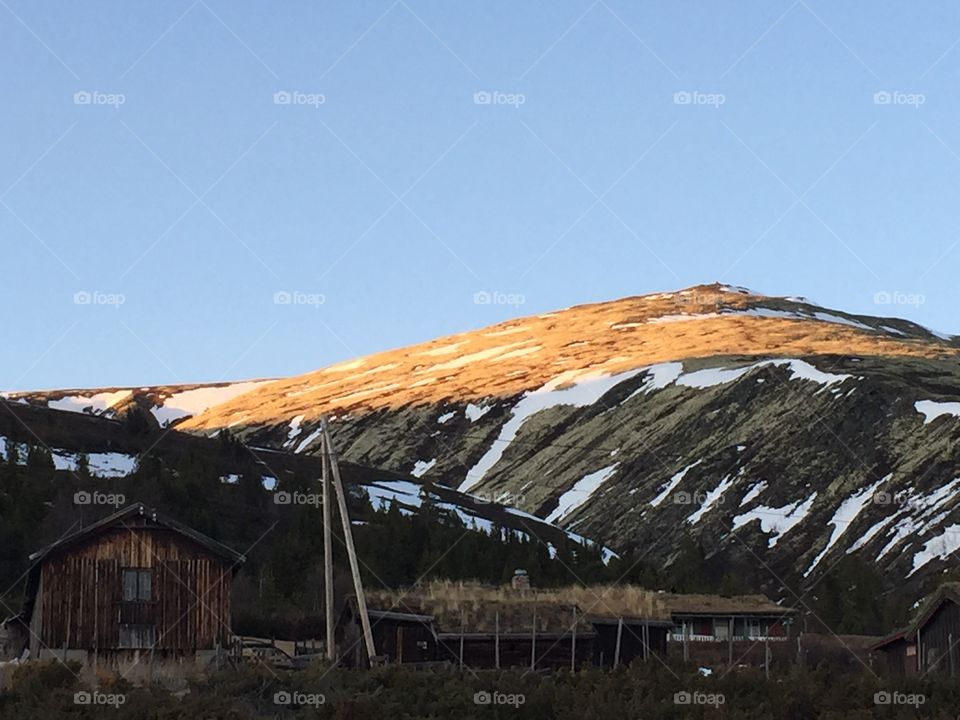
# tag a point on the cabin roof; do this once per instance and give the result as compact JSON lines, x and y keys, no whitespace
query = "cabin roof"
{"x":947,"y":592}
{"x":132,"y":511}
{"x":481,"y":607}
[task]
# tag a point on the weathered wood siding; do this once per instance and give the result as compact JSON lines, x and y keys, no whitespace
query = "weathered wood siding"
{"x":81,"y":603}
{"x":936,"y":635}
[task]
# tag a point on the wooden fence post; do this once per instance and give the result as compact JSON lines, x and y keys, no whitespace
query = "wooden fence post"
{"x":573,"y":642}
{"x":616,"y":650}
{"x":461,"y":638}
{"x":533,"y":641}
{"x":496,"y":639}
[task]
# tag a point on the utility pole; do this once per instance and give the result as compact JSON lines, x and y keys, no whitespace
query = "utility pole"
{"x":348,"y":541}
{"x":328,"y":549}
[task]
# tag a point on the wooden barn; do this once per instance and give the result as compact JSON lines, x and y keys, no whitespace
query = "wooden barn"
{"x":929,"y":645}
{"x":134,"y":586}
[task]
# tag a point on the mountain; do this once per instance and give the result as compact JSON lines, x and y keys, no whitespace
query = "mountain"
{"x":167,"y":405}
{"x":775,"y":435}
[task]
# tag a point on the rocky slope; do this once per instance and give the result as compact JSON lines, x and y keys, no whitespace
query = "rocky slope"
{"x":775,"y":432}
{"x":778,"y":434}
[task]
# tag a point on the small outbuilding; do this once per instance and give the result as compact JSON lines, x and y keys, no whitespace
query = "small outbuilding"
{"x":929,"y":645}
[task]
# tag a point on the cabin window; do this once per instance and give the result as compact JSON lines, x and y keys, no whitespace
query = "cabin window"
{"x":138,"y":637}
{"x":137,"y":585}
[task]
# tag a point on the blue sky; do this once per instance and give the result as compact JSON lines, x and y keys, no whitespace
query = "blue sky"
{"x":156,"y":192}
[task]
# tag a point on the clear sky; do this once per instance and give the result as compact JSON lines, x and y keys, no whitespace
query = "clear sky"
{"x":168,"y":167}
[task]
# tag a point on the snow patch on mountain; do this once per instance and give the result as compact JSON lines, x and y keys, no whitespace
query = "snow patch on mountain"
{"x":778,"y":521}
{"x":96,"y":403}
{"x":193,"y":402}
{"x":581,"y":492}
{"x":587,"y":387}
{"x":932,"y":409}
{"x":845,"y":515}
{"x":940,"y":547}
{"x":672,"y":483}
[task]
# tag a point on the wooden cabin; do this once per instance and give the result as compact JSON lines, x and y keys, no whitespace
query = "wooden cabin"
{"x":131,"y":586}
{"x":621,"y":640}
{"x":479,"y":626}
{"x":930,"y":645}
{"x":398,"y":637}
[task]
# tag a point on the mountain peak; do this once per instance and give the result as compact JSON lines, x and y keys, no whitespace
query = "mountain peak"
{"x":605,"y":338}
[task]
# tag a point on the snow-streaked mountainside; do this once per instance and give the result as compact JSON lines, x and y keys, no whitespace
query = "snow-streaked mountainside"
{"x":167,"y":404}
{"x":777,"y":433}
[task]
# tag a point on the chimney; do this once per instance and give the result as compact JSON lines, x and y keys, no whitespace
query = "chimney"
{"x":520,"y":580}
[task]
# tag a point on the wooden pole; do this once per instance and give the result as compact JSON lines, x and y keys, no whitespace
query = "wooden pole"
{"x":328,"y":550}
{"x":573,"y":643}
{"x":766,"y":656}
{"x":533,"y":641}
{"x":348,"y":541}
{"x":730,"y":627}
{"x":616,"y":650}
{"x":496,"y":639}
{"x":461,"y":638}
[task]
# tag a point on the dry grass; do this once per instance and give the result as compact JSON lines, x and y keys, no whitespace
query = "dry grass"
{"x":478,"y":605}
